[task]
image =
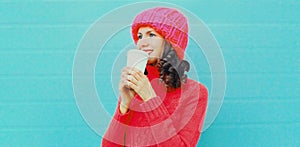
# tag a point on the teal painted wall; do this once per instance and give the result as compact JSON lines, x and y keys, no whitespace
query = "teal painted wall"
{"x":260,"y":41}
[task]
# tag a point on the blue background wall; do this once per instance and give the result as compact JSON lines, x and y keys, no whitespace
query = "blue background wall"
{"x":260,"y":44}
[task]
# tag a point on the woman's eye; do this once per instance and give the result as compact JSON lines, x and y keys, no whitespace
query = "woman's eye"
{"x":140,"y":36}
{"x":152,"y":35}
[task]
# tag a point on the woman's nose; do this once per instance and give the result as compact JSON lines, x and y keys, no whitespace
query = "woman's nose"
{"x":143,"y":43}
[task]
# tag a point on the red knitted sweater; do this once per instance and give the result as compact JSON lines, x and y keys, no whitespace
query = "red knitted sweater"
{"x":173,"y":118}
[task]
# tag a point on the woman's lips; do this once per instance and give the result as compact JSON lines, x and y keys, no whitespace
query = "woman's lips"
{"x":149,"y":51}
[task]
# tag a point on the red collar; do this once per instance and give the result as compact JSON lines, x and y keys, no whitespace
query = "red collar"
{"x":152,"y":72}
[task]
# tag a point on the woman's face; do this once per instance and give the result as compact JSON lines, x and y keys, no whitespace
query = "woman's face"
{"x":151,"y":42}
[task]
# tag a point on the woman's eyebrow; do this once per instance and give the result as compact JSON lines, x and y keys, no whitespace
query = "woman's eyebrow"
{"x":147,"y":32}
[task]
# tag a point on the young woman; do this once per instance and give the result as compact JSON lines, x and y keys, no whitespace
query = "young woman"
{"x":160,"y":106}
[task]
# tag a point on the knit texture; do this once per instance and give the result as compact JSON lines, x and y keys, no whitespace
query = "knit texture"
{"x":170,"y":119}
{"x":168,"y":22}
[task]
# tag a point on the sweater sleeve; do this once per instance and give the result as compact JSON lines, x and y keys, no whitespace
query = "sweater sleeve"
{"x":183,"y":126}
{"x":114,"y":135}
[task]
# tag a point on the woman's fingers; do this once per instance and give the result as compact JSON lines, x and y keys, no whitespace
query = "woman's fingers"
{"x":125,"y":71}
{"x":131,"y":71}
{"x":135,"y":80}
{"x":132,"y":85}
{"x":128,"y":82}
{"x":123,"y":83}
{"x":137,"y":74}
{"x":132,"y":79}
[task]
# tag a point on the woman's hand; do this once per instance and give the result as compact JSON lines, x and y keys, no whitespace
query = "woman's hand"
{"x":126,"y":93}
{"x":140,"y":84}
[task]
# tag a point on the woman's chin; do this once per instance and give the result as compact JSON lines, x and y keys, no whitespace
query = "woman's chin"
{"x":152,"y":60}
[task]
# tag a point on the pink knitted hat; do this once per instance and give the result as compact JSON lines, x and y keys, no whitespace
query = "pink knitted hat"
{"x":168,"y":22}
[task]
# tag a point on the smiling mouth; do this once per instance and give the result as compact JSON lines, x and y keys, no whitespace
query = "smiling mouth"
{"x":149,"y":51}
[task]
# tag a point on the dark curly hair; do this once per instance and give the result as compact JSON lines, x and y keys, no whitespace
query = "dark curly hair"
{"x":172,"y":69}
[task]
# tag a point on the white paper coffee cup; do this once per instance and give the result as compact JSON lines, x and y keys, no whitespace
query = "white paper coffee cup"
{"x":137,"y":59}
